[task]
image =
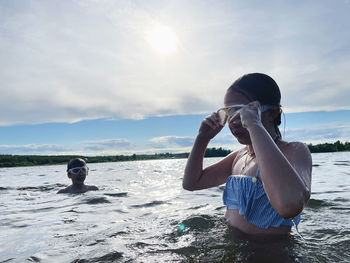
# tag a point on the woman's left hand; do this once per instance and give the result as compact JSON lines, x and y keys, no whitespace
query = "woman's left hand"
{"x":251,"y":115}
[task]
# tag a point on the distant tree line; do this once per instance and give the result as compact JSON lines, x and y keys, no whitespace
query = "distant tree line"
{"x":32,"y":160}
{"x":7,"y":160}
{"x":329,"y":147}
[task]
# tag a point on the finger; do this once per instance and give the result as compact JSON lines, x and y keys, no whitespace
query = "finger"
{"x":215,"y":119}
{"x":210,"y":123}
{"x":254,"y":104}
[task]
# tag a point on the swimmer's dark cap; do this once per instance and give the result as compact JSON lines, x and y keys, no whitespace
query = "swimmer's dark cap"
{"x":258,"y":86}
{"x":77,"y":162}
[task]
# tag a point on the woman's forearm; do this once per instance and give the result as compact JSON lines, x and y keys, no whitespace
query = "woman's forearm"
{"x":194,"y":165}
{"x":282,"y":183}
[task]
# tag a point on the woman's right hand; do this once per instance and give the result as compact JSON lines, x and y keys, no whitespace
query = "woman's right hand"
{"x":210,"y":126}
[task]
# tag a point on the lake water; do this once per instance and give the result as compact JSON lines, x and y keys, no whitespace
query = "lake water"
{"x":142,"y":214}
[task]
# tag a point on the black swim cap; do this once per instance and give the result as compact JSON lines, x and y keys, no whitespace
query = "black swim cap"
{"x":77,"y":162}
{"x":258,"y":86}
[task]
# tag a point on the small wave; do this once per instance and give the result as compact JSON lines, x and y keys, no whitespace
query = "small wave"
{"x":7,"y":260}
{"x":315,"y":203}
{"x":96,"y":242}
{"x":316,"y":165}
{"x":199,"y":223}
{"x":340,"y":208}
{"x":125,"y":194}
{"x":120,"y":233}
{"x":341,"y":199}
{"x":42,"y":188}
{"x":151,"y":204}
{"x":28,"y":188}
{"x":68,"y":221}
{"x":197,"y":207}
{"x":20,"y":226}
{"x":342,"y":164}
{"x":33,"y":259}
{"x":5,"y":188}
{"x":96,"y":200}
{"x":110,"y":257}
{"x":120,"y":211}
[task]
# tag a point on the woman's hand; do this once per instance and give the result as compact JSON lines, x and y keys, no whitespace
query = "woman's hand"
{"x":249,"y":115}
{"x":210,"y":126}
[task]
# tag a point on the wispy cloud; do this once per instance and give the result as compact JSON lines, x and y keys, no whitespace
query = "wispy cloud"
{"x":33,"y":149}
{"x":320,"y":134}
{"x":167,"y":141}
{"x":108,"y":145}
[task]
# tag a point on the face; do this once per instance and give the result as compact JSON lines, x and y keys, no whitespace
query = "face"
{"x":242,"y":135}
{"x":78,"y":175}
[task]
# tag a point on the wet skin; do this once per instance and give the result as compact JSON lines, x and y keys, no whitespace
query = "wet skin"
{"x":78,"y":185}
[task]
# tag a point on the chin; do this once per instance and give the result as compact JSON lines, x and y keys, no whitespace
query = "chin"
{"x":243,"y":138}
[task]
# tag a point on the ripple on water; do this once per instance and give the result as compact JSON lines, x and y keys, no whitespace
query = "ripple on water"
{"x":110,"y":257}
{"x":96,"y":200}
{"x":7,"y":260}
{"x":316,"y":203}
{"x":41,"y":188}
{"x":33,"y":259}
{"x":150,"y":204}
{"x":206,"y":238}
{"x":117,"y":194}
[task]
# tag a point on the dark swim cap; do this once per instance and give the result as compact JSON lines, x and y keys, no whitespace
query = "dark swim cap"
{"x":77,"y":162}
{"x":258,"y":86}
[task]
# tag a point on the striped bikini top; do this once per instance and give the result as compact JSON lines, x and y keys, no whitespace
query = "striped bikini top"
{"x":247,"y":195}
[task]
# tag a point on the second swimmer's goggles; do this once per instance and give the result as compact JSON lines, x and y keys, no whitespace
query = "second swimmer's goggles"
{"x":77,"y":170}
{"x":226,"y":113}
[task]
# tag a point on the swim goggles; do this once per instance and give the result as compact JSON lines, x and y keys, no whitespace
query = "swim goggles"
{"x":77,"y":170}
{"x":226,"y":113}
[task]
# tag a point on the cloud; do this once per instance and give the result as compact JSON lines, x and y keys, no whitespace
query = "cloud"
{"x":320,"y":134}
{"x":33,"y":149}
{"x":107,"y":145}
{"x":166,"y":141}
{"x":50,"y":61}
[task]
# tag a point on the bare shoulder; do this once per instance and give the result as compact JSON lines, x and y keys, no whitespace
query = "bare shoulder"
{"x":299,"y":156}
{"x":296,"y":150}
{"x":92,"y":188}
{"x":64,"y":190}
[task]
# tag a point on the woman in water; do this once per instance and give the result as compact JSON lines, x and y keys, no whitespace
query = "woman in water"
{"x":268,"y":181}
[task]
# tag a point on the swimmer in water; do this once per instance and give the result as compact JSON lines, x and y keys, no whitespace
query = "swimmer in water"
{"x":77,"y":171}
{"x":268,"y":181}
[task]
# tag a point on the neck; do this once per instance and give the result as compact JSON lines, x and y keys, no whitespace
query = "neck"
{"x":250,"y":149}
{"x":78,"y":186}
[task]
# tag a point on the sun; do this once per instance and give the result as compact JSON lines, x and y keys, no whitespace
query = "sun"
{"x":162,"y":39}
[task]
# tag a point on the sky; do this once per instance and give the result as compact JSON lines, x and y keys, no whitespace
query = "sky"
{"x":121,"y":77}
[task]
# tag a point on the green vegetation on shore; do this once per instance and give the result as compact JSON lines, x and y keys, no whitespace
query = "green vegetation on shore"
{"x":7,"y":160}
{"x":330,"y":147}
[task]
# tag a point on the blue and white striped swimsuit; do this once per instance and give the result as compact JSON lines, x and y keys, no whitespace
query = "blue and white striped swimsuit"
{"x":250,"y":199}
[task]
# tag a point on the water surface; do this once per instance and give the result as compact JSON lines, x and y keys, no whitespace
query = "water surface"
{"x":142,"y":214}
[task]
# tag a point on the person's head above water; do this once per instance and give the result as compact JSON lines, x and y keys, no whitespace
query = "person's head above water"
{"x":262,"y":88}
{"x":258,"y":87}
{"x":77,"y":171}
{"x":77,"y":162}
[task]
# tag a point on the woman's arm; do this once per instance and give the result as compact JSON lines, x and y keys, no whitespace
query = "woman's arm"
{"x":286,"y":175}
{"x":195,"y":178}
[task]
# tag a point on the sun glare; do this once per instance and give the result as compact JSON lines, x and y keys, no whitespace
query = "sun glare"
{"x":162,"y":39}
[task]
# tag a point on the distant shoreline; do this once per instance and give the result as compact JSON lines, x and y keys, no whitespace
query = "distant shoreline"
{"x":7,"y":160}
